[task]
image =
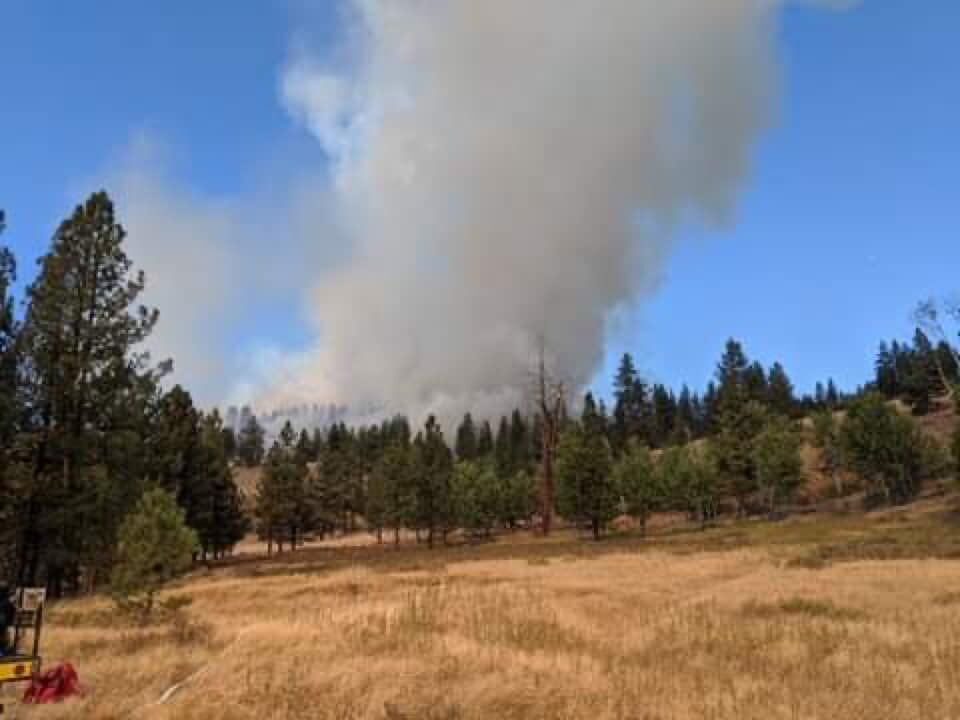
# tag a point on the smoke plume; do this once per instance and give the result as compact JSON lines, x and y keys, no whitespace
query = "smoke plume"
{"x":514,"y":171}
{"x":504,"y":171}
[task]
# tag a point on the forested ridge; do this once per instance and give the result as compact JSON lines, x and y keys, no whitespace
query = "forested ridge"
{"x":89,"y":428}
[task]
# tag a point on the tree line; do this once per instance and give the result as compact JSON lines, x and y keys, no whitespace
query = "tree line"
{"x":737,"y":448}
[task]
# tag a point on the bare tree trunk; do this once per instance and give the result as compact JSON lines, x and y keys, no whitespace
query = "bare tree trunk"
{"x":550,"y":400}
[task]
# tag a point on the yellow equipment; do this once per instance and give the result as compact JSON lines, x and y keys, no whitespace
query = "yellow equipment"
{"x":20,"y":664}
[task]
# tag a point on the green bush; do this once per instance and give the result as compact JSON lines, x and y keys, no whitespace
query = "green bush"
{"x":639,"y":485}
{"x":776,"y":458}
{"x":155,"y":545}
{"x":476,"y":497}
{"x":887,"y":450}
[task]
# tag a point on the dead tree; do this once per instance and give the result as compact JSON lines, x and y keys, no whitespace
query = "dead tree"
{"x":550,"y":400}
{"x":927,"y":317}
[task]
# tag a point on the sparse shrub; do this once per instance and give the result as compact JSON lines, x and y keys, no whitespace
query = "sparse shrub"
{"x":801,"y":606}
{"x":155,"y":545}
{"x":175,"y":603}
{"x":947,"y":598}
{"x":188,"y":631}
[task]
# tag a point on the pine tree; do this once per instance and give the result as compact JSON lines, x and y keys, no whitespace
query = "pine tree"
{"x":922,"y":381}
{"x":826,"y":440}
{"x":886,"y":449}
{"x":833,"y":399}
{"x":536,"y":440}
{"x":466,"y":446}
{"x":664,"y":416}
{"x":176,"y":442}
{"x":9,"y":356}
{"x":485,"y":443}
{"x":731,"y":376}
{"x":11,"y":471}
{"x":305,"y":450}
{"x":776,"y":457}
{"x":710,"y":422}
{"x":687,"y":421}
{"x":901,"y":366}
{"x":226,"y":522}
{"x":755,"y":382}
{"x":518,"y":500}
{"x":87,"y":387}
{"x":378,"y":496}
{"x":638,"y":484}
{"x":733,"y":449}
{"x":780,"y":397}
{"x":154,"y":546}
{"x":271,"y":506}
{"x":629,"y":413}
{"x":432,"y":467}
{"x":886,"y":372}
{"x":475,"y":498}
{"x":586,"y":492}
{"x":229,"y":442}
{"x":284,"y":511}
{"x":593,"y":417}
{"x":503,"y":455}
{"x":250,"y":448}
{"x":335,"y":489}
{"x":519,"y":444}
{"x":739,"y":421}
{"x":819,"y":396}
{"x":392,"y":492}
{"x":690,"y":482}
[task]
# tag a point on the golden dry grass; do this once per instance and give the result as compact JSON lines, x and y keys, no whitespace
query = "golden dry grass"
{"x":668,"y":628}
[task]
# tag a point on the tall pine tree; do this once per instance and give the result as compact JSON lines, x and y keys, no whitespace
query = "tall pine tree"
{"x":86,"y":383}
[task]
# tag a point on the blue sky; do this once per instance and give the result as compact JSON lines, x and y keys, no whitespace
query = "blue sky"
{"x":850,"y":216}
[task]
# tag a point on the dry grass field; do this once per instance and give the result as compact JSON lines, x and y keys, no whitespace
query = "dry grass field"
{"x":815,"y":617}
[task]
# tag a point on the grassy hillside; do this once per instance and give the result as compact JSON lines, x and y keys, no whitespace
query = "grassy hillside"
{"x":852,"y":616}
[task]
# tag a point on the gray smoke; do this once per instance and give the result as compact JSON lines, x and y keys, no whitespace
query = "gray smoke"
{"x":504,"y":171}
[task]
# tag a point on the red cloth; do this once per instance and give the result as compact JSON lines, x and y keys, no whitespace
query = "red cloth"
{"x":53,"y":685}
